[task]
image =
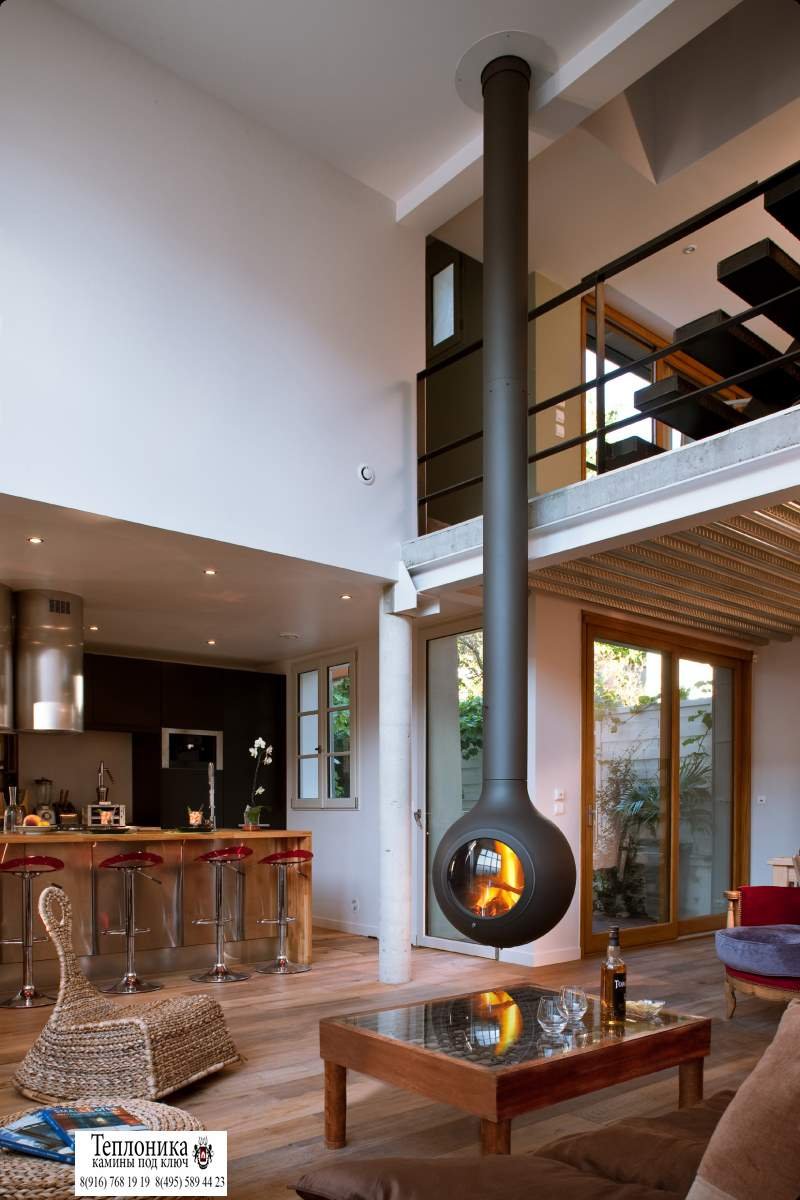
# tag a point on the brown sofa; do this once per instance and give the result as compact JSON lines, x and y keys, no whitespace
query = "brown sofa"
{"x":734,"y":1146}
{"x":638,"y":1159}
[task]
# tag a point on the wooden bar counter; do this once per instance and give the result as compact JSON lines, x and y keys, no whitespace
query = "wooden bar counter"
{"x":165,"y":910}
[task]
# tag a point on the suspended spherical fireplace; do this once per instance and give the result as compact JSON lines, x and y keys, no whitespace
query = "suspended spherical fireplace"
{"x":503,"y":874}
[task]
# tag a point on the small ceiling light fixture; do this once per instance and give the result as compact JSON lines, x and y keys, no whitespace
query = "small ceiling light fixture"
{"x":690,"y":249}
{"x":211,"y":642}
{"x":94,"y":629}
{"x":35,"y":541}
{"x":210,"y":571}
{"x":345,"y":596}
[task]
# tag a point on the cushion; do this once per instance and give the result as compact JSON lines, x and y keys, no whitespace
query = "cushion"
{"x":755,"y":1149}
{"x":789,"y":983}
{"x":656,"y":1152}
{"x":761,"y":949}
{"x":770,"y":905}
{"x":497,"y":1177}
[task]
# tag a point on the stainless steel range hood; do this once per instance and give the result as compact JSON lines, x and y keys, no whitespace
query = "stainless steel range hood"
{"x":6,"y":659}
{"x":49,"y":662}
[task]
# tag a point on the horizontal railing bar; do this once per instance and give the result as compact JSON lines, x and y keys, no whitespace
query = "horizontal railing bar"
{"x":654,"y":412}
{"x":646,"y":361}
{"x":683,"y":229}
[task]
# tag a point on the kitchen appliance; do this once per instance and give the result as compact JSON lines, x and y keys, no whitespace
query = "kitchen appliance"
{"x":191,"y":749}
{"x":6,"y":659}
{"x":104,"y":817}
{"x":49,"y":662}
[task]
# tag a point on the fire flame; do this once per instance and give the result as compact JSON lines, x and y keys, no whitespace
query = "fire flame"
{"x":500,"y":1007}
{"x":501,"y":894}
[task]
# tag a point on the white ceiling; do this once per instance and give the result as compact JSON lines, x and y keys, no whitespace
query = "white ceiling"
{"x":146,"y":588}
{"x":366,"y":85}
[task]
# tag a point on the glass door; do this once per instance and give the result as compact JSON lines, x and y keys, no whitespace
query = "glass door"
{"x":631,"y":815}
{"x":665,"y":740}
{"x":453,"y":764}
{"x":706,"y":791}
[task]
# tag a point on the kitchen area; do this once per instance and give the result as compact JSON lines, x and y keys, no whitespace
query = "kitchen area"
{"x":149,"y":707}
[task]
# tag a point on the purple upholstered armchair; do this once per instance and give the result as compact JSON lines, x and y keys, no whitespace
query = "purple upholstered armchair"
{"x":761,"y":946}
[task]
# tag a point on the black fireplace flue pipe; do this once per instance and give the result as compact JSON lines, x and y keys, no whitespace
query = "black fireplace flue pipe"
{"x":504,"y":811}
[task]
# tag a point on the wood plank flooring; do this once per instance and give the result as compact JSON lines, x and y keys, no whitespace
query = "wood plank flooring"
{"x":272,"y":1103}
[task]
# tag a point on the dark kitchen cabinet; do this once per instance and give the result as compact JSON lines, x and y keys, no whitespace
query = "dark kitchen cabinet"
{"x":122,"y":695}
{"x":255,"y":706}
{"x":142,"y":696}
{"x":191,"y":697}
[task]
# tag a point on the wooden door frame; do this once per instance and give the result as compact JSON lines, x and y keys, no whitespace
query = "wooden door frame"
{"x":739,"y":660}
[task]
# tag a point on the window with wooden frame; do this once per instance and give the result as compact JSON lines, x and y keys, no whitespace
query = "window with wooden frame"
{"x":325,"y":733}
{"x":626,"y":341}
{"x":666,"y":752}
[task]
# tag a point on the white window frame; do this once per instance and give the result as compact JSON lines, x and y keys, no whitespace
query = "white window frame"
{"x":321,"y":664}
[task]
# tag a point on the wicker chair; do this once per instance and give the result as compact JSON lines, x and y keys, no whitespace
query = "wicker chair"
{"x":93,"y":1045}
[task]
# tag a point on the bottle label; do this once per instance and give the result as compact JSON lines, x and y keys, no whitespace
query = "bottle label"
{"x":618,"y":999}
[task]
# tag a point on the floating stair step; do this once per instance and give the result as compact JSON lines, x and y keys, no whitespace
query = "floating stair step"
{"x":735,"y":349}
{"x":761,"y":272}
{"x":629,"y":450}
{"x":783,"y":203}
{"x":696,"y":418}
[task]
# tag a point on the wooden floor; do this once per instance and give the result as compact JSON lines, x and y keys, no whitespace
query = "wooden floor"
{"x":272,"y":1103}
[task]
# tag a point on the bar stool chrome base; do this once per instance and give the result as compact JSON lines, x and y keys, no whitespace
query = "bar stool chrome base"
{"x":28,"y":997}
{"x":283,"y":966}
{"x":220,"y":973}
{"x":132,"y":985}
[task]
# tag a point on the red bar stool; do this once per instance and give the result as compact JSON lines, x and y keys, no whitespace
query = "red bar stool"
{"x":283,"y":860}
{"x":225,"y":857}
{"x":27,"y":869}
{"x":131,"y":864}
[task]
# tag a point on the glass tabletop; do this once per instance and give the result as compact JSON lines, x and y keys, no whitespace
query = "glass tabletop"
{"x":500,"y":1028}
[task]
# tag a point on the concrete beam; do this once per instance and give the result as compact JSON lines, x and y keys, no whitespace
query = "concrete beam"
{"x":644,"y":36}
{"x":747,"y":467}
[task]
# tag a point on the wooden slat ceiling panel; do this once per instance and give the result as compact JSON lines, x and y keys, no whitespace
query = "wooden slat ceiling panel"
{"x":739,"y":577}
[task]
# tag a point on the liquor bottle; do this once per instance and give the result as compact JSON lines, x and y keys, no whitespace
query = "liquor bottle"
{"x":613,"y":975}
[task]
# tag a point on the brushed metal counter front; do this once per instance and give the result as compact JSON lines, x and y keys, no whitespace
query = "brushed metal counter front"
{"x":167,"y":910}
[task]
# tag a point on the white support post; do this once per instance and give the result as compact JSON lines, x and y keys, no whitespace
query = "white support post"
{"x":394,"y":748}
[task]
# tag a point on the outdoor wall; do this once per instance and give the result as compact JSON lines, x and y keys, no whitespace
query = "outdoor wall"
{"x":775,"y":825}
{"x":345,"y":841}
{"x":204,"y":329}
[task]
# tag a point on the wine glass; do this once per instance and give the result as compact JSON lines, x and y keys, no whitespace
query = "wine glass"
{"x":550,"y":1015}
{"x":574,"y":1002}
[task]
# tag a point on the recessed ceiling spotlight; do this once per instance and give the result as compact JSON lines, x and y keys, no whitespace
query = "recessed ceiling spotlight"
{"x":690,"y":249}
{"x":35,"y":541}
{"x":94,"y":628}
{"x":289,"y":637}
{"x":345,"y":596}
{"x":210,"y":571}
{"x":211,"y":642}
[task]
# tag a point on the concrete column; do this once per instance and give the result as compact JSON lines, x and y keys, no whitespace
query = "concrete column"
{"x":394,"y":750}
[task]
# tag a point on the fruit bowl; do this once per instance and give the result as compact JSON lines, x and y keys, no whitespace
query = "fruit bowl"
{"x":643,"y":1010}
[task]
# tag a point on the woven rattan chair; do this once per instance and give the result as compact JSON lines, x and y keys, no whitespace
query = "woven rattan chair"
{"x":93,"y":1045}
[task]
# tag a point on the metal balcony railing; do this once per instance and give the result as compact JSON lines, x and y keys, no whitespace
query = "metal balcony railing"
{"x":596,"y":283}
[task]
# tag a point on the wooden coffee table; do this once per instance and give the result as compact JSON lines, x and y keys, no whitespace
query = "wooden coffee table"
{"x":485,"y":1053}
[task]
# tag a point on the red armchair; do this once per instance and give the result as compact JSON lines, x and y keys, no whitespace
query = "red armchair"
{"x":761,"y":946}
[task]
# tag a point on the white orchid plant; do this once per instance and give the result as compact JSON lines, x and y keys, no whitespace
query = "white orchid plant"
{"x":262,"y":753}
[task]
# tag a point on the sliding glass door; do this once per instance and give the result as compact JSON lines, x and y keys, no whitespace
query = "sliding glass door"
{"x":664,"y":767}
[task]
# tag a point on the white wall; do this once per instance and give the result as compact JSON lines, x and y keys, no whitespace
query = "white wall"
{"x":201,"y":328}
{"x":775,"y":825}
{"x":71,"y":761}
{"x":345,"y":841}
